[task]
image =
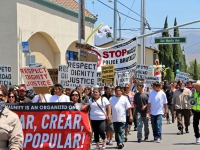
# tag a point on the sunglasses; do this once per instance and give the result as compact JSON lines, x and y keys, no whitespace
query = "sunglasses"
{"x":1,"y":95}
{"x":11,"y":96}
{"x":76,"y":95}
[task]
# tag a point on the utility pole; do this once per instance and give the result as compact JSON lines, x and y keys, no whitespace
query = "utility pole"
{"x":142,"y":29}
{"x":81,"y":22}
{"x":115,"y":22}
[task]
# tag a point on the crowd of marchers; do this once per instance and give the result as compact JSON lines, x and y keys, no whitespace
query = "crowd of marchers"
{"x":114,"y":110}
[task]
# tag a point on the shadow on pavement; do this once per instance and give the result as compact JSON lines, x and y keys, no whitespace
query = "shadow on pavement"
{"x":169,"y":133}
{"x":185,"y":144}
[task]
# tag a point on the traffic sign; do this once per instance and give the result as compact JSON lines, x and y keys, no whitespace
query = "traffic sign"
{"x":170,"y":40}
{"x":25,"y":47}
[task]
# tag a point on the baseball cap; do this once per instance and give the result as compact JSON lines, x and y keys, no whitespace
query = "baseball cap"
{"x":106,"y":87}
{"x":22,"y":88}
{"x":140,"y":83}
{"x":180,"y":82}
{"x":156,"y":83}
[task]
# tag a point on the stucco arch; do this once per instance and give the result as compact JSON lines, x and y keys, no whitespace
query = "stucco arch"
{"x":45,"y":49}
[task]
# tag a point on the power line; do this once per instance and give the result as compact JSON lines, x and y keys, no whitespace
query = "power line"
{"x":118,"y":11}
{"x":130,"y":9}
{"x":128,"y":13}
{"x":192,"y":45}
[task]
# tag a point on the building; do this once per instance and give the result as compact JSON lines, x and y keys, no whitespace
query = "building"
{"x":50,"y":27}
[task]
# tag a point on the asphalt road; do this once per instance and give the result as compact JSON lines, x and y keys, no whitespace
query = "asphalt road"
{"x":170,"y":140}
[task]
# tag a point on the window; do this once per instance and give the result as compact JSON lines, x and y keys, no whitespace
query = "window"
{"x":72,"y":55}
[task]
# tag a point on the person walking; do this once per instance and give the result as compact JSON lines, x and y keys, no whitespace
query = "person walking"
{"x":22,"y":96}
{"x":196,"y":110}
{"x":140,"y":106}
{"x":180,"y":102}
{"x":11,"y":134}
{"x":99,"y":113}
{"x":169,"y":94}
{"x":58,"y":94}
{"x":157,"y":103}
{"x":109,"y":128}
{"x":119,"y":104}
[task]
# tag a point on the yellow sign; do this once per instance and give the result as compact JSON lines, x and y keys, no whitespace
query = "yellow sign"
{"x":107,"y":73}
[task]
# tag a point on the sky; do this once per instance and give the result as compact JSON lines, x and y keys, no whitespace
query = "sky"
{"x":156,"y":11}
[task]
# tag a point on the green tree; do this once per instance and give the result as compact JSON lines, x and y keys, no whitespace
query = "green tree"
{"x":166,"y":56}
{"x":177,"y":52}
{"x":195,"y":75}
{"x":190,"y":68}
{"x":184,"y":68}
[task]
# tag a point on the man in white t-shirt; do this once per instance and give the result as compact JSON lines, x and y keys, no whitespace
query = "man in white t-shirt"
{"x":58,"y":94}
{"x":119,"y":105}
{"x":157,"y":103}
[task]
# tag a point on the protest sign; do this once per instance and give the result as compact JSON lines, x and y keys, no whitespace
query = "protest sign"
{"x":124,"y":76}
{"x":182,"y":76}
{"x":54,"y":75}
{"x":5,"y":75}
{"x":108,"y":74}
{"x":36,"y":76}
{"x":88,"y":56}
{"x":141,"y":71}
{"x":122,"y":55}
{"x":99,"y":80}
{"x":77,"y":73}
{"x":56,"y":126}
{"x":149,"y":80}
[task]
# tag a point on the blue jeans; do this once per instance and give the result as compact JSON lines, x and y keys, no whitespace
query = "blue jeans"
{"x":156,"y":122}
{"x":140,"y":122}
{"x":119,"y":131}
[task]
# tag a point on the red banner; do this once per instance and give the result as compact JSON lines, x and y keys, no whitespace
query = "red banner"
{"x":55,"y":130}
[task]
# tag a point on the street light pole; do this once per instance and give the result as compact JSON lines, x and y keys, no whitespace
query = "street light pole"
{"x":142,"y":28}
{"x":115,"y":22}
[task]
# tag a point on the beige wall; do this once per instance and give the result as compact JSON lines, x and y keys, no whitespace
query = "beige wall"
{"x":8,"y":40}
{"x":49,"y":32}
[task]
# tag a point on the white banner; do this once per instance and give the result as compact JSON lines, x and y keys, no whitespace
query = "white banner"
{"x":77,"y":73}
{"x":141,"y":71}
{"x":124,"y":76}
{"x":149,"y":80}
{"x":36,"y":76}
{"x":5,"y":75}
{"x":182,"y":76}
{"x":122,"y":55}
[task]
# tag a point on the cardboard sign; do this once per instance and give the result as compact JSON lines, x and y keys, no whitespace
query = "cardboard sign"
{"x":141,"y":71}
{"x":54,"y":75}
{"x":107,"y":74}
{"x":182,"y":76}
{"x":5,"y":75}
{"x":87,"y":56}
{"x":99,"y":80}
{"x":149,"y":80}
{"x":77,"y":73}
{"x":123,"y":55}
{"x":36,"y":76}
{"x":42,"y":90}
{"x":54,"y":126}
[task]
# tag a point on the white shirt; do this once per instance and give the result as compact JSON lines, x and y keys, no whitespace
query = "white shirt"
{"x":95,"y":112}
{"x":62,"y":98}
{"x":157,"y":100}
{"x":47,"y":96}
{"x":119,"y":105}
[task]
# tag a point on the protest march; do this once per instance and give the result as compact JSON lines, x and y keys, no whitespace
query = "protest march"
{"x":56,"y":107}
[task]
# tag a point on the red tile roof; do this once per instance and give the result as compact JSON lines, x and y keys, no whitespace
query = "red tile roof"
{"x":73,"y":5}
